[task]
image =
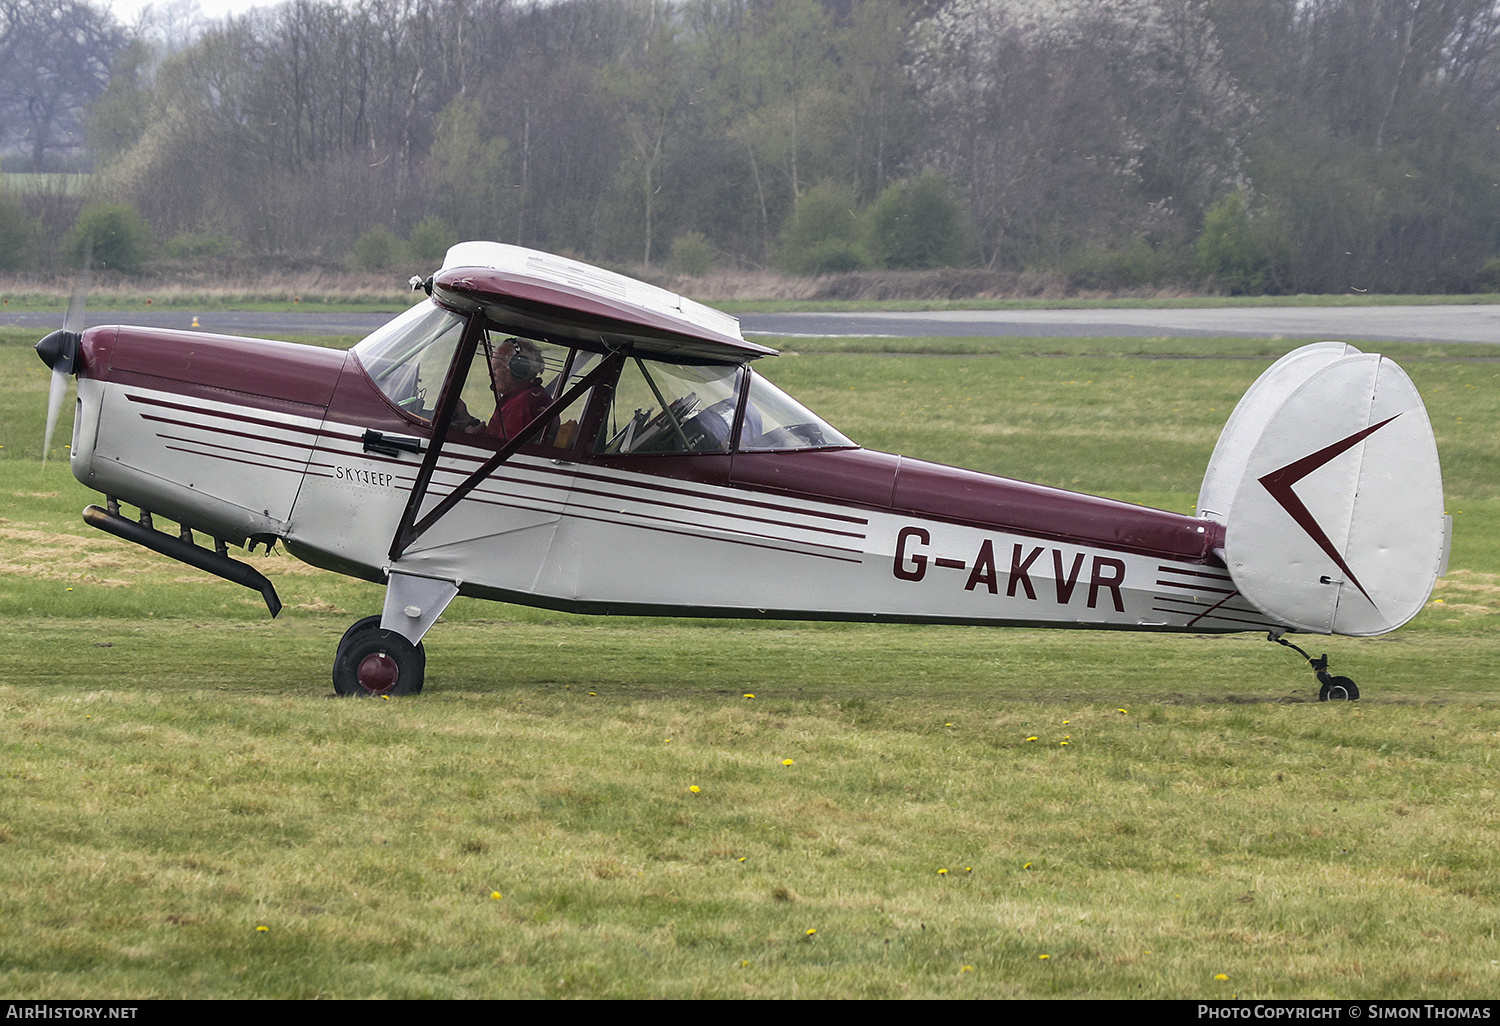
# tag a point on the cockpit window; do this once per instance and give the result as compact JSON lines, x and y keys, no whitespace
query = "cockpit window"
{"x":774,"y":422}
{"x":671,"y":408}
{"x":408,"y":357}
{"x":512,"y":379}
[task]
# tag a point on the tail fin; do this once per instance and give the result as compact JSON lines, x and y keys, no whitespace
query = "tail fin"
{"x":1326,"y":478}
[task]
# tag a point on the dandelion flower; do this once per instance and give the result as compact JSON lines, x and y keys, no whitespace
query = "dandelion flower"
{"x":788,"y":762}
{"x":741,"y":858}
{"x":1027,"y":866}
{"x":496,"y":895}
{"x":811,"y":932}
{"x":1120,"y":711}
{"x":1031,"y":738}
{"x":749,"y":696}
{"x":967,"y":969}
{"x":262,"y":929}
{"x":1043,"y":957}
{"x":942,"y":872}
{"x":1220,"y":976}
{"x":695,"y":788}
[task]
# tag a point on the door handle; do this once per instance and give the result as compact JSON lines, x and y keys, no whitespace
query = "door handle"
{"x":390,"y":445}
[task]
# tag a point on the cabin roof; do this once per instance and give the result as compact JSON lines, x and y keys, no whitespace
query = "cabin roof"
{"x":552,"y":297}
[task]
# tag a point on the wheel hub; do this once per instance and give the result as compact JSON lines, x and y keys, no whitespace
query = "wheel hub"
{"x":378,"y":672}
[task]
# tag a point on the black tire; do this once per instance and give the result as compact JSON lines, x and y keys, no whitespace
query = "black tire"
{"x":1338,"y":689}
{"x":372,"y":662}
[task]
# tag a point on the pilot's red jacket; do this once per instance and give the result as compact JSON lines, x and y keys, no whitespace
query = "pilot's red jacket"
{"x":517,"y":408}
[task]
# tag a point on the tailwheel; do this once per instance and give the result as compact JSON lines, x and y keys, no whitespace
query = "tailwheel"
{"x":372,"y":661}
{"x":1334,"y":689}
{"x":1337,"y":689}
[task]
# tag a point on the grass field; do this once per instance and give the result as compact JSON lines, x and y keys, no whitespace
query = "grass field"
{"x":585,"y":807}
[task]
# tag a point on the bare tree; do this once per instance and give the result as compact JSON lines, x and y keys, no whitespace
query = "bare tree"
{"x":55,"y":57}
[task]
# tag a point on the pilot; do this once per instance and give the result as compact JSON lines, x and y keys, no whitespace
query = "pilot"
{"x":516,"y":369}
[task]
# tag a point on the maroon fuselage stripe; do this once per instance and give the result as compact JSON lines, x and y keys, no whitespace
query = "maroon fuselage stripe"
{"x":297,"y":464}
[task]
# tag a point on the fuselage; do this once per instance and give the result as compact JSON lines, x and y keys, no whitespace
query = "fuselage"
{"x":241,"y":438}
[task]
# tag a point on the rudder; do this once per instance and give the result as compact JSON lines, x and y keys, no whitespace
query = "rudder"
{"x":1327,"y":480}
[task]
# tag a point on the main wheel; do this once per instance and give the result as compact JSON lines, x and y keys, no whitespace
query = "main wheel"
{"x":371,"y":623}
{"x":371,"y":661}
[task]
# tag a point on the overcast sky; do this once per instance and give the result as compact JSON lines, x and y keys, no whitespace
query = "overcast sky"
{"x":127,"y":11}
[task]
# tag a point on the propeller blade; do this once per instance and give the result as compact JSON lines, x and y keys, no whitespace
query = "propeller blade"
{"x":59,"y":350}
{"x":55,"y":397}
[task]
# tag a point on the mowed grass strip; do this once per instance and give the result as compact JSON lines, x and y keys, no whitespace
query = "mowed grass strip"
{"x":186,"y":810}
{"x":943,"y":808}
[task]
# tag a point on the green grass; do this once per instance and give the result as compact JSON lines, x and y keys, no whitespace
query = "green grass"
{"x":177,"y":774}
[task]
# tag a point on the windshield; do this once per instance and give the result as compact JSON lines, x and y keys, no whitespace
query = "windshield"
{"x":408,"y":357}
{"x":774,"y":421}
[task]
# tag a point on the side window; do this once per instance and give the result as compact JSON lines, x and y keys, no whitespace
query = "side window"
{"x":670,"y":408}
{"x":512,"y":380}
{"x":570,"y":419}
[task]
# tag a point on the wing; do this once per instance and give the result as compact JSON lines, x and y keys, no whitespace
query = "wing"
{"x":553,"y":298}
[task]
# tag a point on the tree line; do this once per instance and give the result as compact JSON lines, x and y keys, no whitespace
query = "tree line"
{"x":1256,"y":145}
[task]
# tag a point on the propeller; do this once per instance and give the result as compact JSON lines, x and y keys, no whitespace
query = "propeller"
{"x":59,"y":349}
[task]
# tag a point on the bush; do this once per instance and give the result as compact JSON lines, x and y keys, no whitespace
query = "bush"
{"x":376,"y":250}
{"x":823,"y":235}
{"x":916,"y":224}
{"x":693,"y":254}
{"x":430,"y":240}
{"x":1489,"y":275}
{"x":1229,"y":249}
{"x":120,"y":236}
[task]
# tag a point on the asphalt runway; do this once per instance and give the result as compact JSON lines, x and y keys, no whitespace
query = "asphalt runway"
{"x":1468,"y":323}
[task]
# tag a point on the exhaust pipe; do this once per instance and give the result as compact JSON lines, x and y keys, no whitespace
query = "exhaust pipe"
{"x":185,"y":552}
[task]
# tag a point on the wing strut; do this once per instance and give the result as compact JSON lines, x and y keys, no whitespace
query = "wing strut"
{"x":410,"y":528}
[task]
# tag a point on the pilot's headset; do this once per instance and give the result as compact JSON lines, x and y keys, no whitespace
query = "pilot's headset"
{"x":525,"y":362}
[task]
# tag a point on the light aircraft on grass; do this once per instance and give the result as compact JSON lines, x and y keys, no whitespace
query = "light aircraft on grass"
{"x":636,"y":463}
